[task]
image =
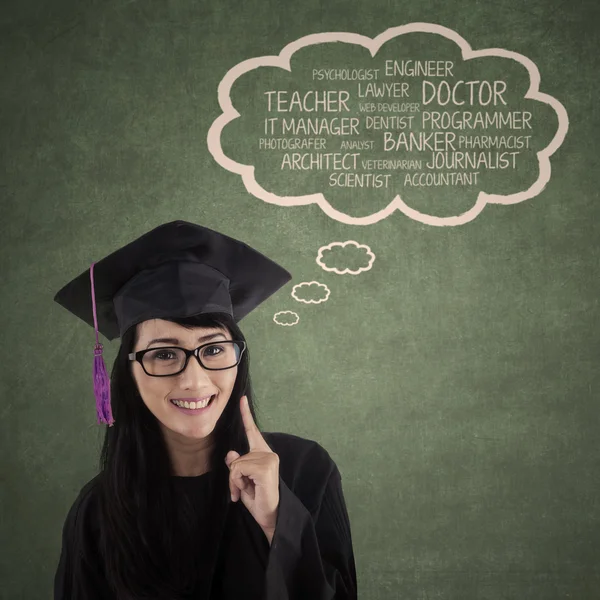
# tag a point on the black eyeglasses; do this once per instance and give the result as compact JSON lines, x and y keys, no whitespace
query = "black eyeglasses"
{"x":172,"y":360}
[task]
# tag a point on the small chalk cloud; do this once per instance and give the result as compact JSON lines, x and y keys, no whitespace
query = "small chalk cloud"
{"x":286,"y":318}
{"x":311,"y":292}
{"x":393,"y":178}
{"x":332,"y":256}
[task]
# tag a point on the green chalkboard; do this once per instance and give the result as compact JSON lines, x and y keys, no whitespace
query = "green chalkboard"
{"x":440,"y":335}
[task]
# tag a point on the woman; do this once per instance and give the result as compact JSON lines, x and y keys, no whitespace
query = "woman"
{"x":195,"y":502}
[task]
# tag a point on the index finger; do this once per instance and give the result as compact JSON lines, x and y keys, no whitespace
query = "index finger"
{"x":255,"y":438}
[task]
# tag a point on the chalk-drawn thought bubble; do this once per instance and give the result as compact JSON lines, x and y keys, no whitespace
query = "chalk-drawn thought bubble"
{"x":286,"y":318}
{"x":336,"y":255}
{"x":413,"y":120}
{"x":311,"y":292}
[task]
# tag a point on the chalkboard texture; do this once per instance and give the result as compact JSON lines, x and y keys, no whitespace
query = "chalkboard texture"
{"x":440,"y":340}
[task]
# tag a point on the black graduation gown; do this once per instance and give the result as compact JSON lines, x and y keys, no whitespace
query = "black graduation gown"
{"x":310,"y":557}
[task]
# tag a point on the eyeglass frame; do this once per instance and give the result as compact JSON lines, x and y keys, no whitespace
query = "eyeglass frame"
{"x":139,"y":355}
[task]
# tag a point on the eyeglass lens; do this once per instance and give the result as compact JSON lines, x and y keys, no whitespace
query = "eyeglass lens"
{"x":168,"y":361}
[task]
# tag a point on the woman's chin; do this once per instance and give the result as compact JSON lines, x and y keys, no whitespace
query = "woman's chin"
{"x":196,"y":432}
{"x":187,"y":422}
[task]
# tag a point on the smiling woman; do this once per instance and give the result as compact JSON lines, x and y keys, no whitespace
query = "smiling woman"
{"x":192,"y":500}
{"x":172,"y":386}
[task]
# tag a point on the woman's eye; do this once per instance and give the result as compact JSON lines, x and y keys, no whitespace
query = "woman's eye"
{"x":216,"y":348}
{"x":165,"y":355}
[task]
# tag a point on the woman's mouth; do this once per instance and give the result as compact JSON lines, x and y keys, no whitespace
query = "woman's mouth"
{"x":193,"y":408}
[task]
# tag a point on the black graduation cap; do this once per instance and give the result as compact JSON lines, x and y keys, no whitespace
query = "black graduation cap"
{"x":178,"y":269}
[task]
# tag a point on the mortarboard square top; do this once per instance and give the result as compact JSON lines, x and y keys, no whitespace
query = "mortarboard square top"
{"x":178,"y":269}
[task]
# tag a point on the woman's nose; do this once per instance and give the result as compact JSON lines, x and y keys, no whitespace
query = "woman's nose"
{"x":194,"y":374}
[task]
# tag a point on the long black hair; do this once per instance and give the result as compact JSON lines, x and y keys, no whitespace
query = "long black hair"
{"x":142,"y":517}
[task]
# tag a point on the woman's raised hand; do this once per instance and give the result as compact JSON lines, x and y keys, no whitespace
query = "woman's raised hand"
{"x":254,"y":477}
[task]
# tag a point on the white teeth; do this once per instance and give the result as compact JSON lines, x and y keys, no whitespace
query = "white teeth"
{"x":191,"y":405}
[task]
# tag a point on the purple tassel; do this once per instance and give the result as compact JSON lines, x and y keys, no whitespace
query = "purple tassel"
{"x":102,"y":388}
{"x":101,"y":379}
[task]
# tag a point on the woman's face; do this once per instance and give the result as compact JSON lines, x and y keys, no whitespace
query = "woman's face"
{"x":193,"y":384}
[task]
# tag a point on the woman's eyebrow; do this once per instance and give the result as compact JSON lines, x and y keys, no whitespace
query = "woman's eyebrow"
{"x":176,"y":341}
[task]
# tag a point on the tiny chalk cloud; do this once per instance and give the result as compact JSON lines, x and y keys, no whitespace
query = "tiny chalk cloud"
{"x":340,"y":253}
{"x":286,"y":318}
{"x":311,"y":292}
